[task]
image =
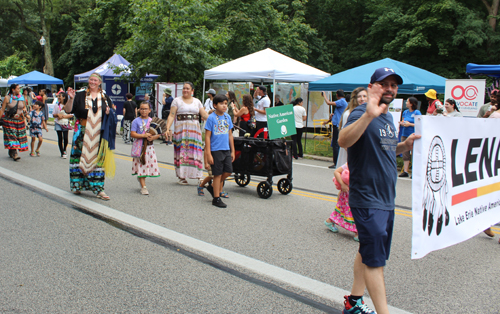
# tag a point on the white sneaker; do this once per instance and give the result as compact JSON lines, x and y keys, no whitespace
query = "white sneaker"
{"x":64,"y":156}
{"x":144,"y":191}
{"x":183,"y":182}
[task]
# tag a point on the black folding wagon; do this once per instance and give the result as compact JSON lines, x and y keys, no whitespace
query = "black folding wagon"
{"x":263,"y":158}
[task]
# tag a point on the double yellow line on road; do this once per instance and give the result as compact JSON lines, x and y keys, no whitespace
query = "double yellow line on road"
{"x":317,"y":196}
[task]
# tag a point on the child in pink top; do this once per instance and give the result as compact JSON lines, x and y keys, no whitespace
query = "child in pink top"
{"x":342,"y":215}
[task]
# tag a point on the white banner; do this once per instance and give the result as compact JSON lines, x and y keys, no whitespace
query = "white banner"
{"x":456,"y":181}
{"x":469,"y":95}
{"x":176,"y":89}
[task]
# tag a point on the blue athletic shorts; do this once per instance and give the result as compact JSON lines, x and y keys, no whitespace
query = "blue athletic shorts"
{"x":375,"y":228}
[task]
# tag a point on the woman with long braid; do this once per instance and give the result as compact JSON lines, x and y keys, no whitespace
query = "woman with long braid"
{"x":90,"y":107}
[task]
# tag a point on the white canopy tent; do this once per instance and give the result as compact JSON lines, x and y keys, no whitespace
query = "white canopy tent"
{"x":4,"y":82}
{"x":267,"y":66}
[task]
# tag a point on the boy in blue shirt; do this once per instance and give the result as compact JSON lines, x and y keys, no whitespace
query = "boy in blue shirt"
{"x":219,"y":146}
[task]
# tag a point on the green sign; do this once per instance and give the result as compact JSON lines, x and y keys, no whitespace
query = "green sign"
{"x":280,"y":121}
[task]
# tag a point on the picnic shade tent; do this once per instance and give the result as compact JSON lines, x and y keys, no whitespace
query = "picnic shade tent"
{"x":492,"y":70}
{"x":35,"y":77}
{"x":415,"y":80}
{"x":3,"y":82}
{"x":266,"y":66}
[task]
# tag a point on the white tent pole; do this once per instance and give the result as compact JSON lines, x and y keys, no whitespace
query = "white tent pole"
{"x":203,"y":93}
{"x":307,"y":111}
{"x":274,"y":97}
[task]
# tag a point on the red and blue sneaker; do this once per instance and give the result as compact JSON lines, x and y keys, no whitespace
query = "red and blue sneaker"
{"x":359,"y":308}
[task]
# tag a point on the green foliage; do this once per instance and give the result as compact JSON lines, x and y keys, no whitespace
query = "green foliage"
{"x":175,"y":39}
{"x":447,"y":33}
{"x":17,"y":21}
{"x":93,"y":38}
{"x":256,"y":25}
{"x":180,"y":39}
{"x":13,"y":65}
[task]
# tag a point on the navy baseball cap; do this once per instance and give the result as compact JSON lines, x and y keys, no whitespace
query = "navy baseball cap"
{"x":382,"y":73}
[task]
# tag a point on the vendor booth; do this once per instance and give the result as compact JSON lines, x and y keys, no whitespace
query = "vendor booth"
{"x":415,"y":80}
{"x":36,"y":77}
{"x":492,"y":70}
{"x":112,"y":82}
{"x":265,"y":66}
{"x":3,"y":82}
{"x":271,"y":67}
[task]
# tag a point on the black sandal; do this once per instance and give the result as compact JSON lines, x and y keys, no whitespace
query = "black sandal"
{"x":15,"y":156}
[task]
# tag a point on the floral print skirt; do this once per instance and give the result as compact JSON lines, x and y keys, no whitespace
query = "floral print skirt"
{"x":342,"y":215}
{"x":150,"y":169}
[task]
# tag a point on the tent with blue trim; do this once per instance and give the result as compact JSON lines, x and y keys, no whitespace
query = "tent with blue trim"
{"x":106,"y":70}
{"x":415,"y":80}
{"x":492,"y":70}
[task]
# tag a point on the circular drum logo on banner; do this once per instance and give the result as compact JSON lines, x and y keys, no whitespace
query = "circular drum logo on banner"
{"x":435,"y":189}
{"x":470,"y":92}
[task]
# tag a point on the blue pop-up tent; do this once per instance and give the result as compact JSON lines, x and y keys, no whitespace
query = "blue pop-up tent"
{"x":415,"y":80}
{"x":492,"y":70}
{"x":35,"y":77}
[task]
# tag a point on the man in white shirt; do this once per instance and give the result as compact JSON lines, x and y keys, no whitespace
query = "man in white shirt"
{"x":263,"y":102}
{"x":209,"y":106}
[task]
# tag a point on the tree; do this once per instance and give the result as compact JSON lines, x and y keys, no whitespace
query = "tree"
{"x":492,"y":12}
{"x":440,"y":36}
{"x":18,"y":34}
{"x":256,"y":25}
{"x":93,"y":38}
{"x":175,"y":39}
{"x":13,"y":65}
{"x":340,"y":26}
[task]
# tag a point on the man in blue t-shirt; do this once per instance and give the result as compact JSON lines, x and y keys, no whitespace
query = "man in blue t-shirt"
{"x":372,"y":145}
{"x":340,"y":106}
{"x":219,"y":146}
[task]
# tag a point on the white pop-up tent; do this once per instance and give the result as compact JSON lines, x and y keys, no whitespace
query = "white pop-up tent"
{"x":266,"y":65}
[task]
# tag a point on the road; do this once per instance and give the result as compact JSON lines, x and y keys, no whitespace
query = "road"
{"x":60,"y":254}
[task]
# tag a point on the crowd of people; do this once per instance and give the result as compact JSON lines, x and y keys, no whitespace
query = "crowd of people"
{"x":363,"y":207}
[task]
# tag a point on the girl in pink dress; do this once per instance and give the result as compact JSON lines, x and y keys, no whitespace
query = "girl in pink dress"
{"x":342,"y":215}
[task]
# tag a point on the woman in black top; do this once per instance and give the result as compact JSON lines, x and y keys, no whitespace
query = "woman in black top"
{"x":129,"y":114}
{"x":90,"y":108}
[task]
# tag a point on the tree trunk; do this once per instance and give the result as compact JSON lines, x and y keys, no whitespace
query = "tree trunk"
{"x":49,"y":66}
{"x":492,"y":12}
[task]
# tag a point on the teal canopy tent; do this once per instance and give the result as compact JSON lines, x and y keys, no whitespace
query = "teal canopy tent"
{"x":415,"y":80}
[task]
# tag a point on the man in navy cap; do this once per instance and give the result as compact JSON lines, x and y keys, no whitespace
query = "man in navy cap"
{"x":371,"y":140}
